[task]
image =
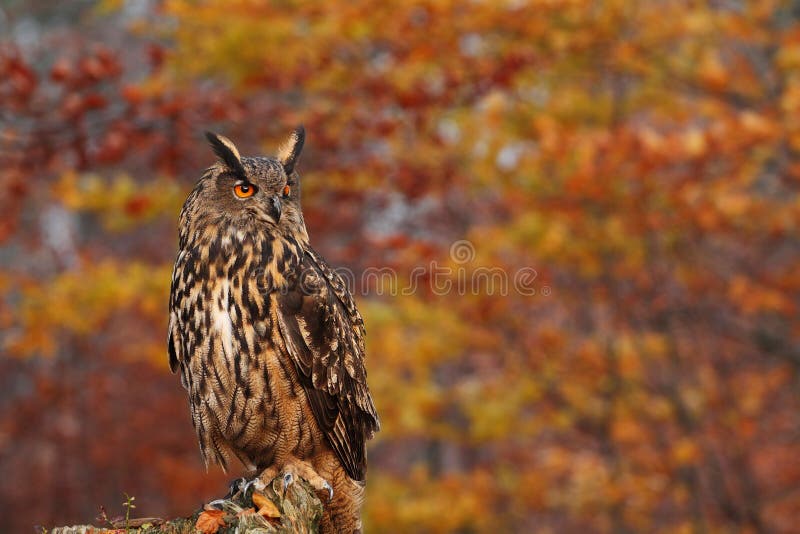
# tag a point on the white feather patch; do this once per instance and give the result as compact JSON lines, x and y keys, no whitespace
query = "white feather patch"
{"x":221,"y":320}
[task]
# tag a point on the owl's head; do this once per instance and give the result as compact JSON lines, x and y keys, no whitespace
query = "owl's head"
{"x":250,"y":193}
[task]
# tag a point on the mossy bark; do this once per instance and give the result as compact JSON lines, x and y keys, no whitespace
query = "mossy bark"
{"x":300,"y":509}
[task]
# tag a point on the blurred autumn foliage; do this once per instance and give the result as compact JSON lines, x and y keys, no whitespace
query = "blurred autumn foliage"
{"x":640,"y":159}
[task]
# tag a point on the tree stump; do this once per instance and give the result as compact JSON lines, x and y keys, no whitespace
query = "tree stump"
{"x":299,"y":510}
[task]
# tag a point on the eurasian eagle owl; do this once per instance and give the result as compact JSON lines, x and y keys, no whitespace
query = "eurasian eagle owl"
{"x":266,"y":335}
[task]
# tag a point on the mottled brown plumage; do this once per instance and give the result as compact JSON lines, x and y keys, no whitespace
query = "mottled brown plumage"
{"x":267,"y":337}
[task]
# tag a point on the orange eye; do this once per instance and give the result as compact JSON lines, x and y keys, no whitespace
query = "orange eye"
{"x":244,"y":190}
{"x":286,"y":190}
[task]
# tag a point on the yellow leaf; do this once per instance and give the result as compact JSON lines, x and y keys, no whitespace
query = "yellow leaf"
{"x":756,"y":124}
{"x":694,"y":142}
{"x":685,"y":451}
{"x":712,"y":70}
{"x":733,"y":205}
{"x":266,"y":508}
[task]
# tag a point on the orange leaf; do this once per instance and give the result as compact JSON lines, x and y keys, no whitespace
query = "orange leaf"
{"x":210,"y":521}
{"x":266,"y":508}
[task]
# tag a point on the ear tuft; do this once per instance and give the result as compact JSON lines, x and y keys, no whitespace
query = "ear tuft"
{"x":227,"y":152}
{"x":289,"y":152}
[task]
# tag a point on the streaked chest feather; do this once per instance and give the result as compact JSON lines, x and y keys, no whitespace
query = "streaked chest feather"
{"x":242,"y":385}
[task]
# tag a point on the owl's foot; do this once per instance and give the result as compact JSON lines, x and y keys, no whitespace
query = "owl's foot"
{"x":265,"y":477}
{"x":294,"y":469}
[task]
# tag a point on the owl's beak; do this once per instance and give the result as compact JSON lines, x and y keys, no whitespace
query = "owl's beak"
{"x":275,"y":208}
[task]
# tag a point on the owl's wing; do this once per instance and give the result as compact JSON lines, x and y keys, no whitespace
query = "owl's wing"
{"x":177,"y":294}
{"x":324,"y":335}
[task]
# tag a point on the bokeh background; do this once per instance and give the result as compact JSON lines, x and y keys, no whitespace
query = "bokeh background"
{"x":639,"y":160}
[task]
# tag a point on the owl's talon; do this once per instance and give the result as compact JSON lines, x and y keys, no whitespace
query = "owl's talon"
{"x":328,"y":487}
{"x":216,"y":504}
{"x":235,"y":486}
{"x":255,"y":482}
{"x":288,"y":479}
